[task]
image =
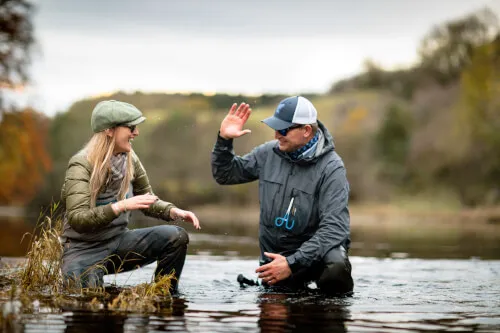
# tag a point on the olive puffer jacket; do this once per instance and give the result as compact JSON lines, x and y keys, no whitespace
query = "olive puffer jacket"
{"x":83,"y":222}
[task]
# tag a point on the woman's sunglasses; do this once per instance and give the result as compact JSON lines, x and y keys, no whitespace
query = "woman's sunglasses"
{"x":130,"y":127}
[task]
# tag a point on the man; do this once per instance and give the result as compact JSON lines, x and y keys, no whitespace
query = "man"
{"x":304,"y":231}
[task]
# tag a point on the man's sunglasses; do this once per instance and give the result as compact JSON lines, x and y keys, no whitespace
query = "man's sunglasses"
{"x":285,"y":131}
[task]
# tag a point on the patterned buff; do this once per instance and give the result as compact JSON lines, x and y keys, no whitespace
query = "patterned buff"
{"x":112,"y":186}
{"x":295,"y":155}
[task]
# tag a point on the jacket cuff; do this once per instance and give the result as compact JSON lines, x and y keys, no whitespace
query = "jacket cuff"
{"x":293,"y":263}
{"x":224,"y":142}
{"x":167,"y":217}
{"x":108,"y":212}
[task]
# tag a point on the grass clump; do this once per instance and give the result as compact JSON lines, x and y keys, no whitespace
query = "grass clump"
{"x":146,"y":297}
{"x":42,"y":269}
{"x":39,"y":278}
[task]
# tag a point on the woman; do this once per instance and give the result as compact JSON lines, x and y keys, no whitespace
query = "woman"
{"x":104,"y":182}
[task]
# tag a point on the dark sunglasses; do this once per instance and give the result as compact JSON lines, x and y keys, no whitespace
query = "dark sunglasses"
{"x":285,"y":131}
{"x":130,"y":127}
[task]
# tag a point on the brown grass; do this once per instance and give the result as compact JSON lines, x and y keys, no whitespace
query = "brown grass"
{"x":40,"y":277}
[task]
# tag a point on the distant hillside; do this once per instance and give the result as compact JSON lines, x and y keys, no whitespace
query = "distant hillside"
{"x":429,"y":131}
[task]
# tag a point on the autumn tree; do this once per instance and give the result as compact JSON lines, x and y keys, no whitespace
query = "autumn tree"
{"x":24,"y":156}
{"x":23,"y":133}
{"x":447,"y":49}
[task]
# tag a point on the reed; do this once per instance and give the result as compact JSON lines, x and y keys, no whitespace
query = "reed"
{"x":42,"y":268}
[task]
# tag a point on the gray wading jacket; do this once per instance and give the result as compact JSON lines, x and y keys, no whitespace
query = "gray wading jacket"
{"x":319,"y":189}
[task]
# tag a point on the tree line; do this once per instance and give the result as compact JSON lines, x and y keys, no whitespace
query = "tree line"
{"x":432,"y":128}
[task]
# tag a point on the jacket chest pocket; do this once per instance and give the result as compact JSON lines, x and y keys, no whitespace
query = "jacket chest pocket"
{"x":302,"y":209}
{"x":269,"y":194}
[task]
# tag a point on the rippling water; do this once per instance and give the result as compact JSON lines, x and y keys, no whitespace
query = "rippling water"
{"x":391,"y":295}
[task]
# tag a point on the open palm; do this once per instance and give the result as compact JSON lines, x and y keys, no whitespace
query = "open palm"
{"x":232,"y":125}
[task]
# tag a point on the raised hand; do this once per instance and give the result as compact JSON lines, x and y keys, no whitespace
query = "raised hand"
{"x":232,"y":125}
{"x":184,"y":215}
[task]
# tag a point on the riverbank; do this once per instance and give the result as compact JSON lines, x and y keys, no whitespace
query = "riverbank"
{"x":12,"y":211}
{"x":365,"y":214}
{"x":376,"y":230}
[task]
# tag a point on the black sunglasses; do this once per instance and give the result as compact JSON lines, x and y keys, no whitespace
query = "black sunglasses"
{"x":285,"y":131}
{"x":130,"y":127}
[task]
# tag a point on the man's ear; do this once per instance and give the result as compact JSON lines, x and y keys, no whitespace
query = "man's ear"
{"x":309,"y":130}
{"x":109,"y":132}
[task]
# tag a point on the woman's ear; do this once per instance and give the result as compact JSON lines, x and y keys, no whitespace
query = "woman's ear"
{"x":109,"y":132}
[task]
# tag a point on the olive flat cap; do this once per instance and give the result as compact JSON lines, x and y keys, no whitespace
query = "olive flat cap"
{"x":109,"y":114}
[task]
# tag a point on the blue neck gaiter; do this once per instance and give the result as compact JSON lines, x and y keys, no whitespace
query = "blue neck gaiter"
{"x":295,"y":155}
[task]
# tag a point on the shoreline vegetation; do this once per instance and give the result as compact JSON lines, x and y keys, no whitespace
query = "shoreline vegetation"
{"x":37,"y":279}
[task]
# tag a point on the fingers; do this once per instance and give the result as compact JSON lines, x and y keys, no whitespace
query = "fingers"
{"x":232,"y":110}
{"x":241,"y":133}
{"x":267,"y":274}
{"x":263,"y":268}
{"x":246,"y":114}
{"x":194,"y":220}
{"x":186,"y":215}
{"x":242,"y":110}
{"x":271,"y":255}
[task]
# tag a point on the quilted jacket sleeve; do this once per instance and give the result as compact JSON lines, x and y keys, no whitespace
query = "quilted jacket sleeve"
{"x":76,"y":196}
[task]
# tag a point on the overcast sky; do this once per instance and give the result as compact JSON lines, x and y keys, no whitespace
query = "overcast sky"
{"x":91,"y":47}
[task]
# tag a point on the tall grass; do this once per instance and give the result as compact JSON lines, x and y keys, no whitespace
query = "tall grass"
{"x":42,"y":270}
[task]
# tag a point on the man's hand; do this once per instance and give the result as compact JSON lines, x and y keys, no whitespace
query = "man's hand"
{"x":276,"y":270}
{"x":232,"y":125}
{"x":184,"y":215}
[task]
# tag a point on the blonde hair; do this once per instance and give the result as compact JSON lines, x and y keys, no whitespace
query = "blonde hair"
{"x":99,"y":150}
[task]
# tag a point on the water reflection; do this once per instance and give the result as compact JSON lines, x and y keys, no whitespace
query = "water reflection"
{"x":79,"y":322}
{"x":279,"y":313}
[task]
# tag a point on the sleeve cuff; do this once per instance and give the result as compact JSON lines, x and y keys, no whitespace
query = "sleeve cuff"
{"x":224,"y":142}
{"x":167,"y":212}
{"x":108,"y":212}
{"x":292,"y":263}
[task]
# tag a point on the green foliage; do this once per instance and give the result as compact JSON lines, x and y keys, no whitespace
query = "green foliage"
{"x":475,"y":171}
{"x":447,"y":49}
{"x":393,"y":141}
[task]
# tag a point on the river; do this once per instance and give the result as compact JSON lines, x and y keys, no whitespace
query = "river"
{"x":393,"y":293}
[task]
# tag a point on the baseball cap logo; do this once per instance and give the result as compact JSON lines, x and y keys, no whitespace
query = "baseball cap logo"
{"x":278,"y":109}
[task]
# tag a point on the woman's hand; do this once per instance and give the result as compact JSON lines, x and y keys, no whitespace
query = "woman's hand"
{"x":136,"y":202}
{"x":184,"y":215}
{"x":232,"y":125}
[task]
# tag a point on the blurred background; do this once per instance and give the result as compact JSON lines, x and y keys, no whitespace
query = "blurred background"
{"x":409,"y":90}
